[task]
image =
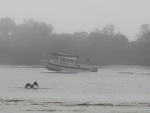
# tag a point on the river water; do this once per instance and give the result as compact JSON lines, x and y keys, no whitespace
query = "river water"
{"x":113,"y":89}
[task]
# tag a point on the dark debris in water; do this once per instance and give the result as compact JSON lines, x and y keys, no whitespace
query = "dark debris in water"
{"x":13,"y":100}
{"x":44,"y":110}
{"x":88,"y":104}
{"x":54,"y":102}
{"x":36,"y":104}
{"x":55,"y":110}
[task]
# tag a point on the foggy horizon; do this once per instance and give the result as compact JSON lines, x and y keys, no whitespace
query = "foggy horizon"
{"x":69,"y":16}
{"x":32,"y":29}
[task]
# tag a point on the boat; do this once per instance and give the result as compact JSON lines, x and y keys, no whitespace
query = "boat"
{"x":66,"y":62}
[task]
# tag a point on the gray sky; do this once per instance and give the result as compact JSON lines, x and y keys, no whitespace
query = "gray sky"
{"x":70,"y":16}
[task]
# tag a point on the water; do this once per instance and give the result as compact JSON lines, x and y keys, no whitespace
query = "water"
{"x":113,"y":89}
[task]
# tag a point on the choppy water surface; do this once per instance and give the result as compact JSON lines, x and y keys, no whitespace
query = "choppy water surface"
{"x":113,"y":89}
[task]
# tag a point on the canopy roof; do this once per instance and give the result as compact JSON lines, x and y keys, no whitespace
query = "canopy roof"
{"x":65,"y":55}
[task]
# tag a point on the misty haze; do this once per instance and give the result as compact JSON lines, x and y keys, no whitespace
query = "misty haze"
{"x":27,"y":43}
{"x":67,"y":56}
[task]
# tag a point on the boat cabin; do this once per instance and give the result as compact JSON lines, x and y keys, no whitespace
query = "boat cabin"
{"x":64,"y":59}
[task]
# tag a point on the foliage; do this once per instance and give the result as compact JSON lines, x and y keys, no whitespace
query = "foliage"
{"x":29,"y":42}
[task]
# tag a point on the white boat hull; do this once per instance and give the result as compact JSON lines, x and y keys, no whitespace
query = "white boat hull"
{"x":59,"y":67}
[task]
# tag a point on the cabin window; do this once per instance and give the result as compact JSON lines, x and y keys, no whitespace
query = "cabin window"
{"x":72,"y":61}
{"x":57,"y":58}
{"x":64,"y":60}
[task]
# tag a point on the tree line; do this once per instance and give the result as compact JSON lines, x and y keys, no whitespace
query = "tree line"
{"x":29,"y":42}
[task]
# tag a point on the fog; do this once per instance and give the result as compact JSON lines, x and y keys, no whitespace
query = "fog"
{"x":106,"y":32}
{"x":31,"y":41}
{"x":69,"y":16}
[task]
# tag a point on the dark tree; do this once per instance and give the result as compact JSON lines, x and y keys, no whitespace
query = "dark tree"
{"x":7,"y":26}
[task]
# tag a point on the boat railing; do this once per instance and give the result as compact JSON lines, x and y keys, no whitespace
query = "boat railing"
{"x":53,"y":61}
{"x":62,"y":63}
